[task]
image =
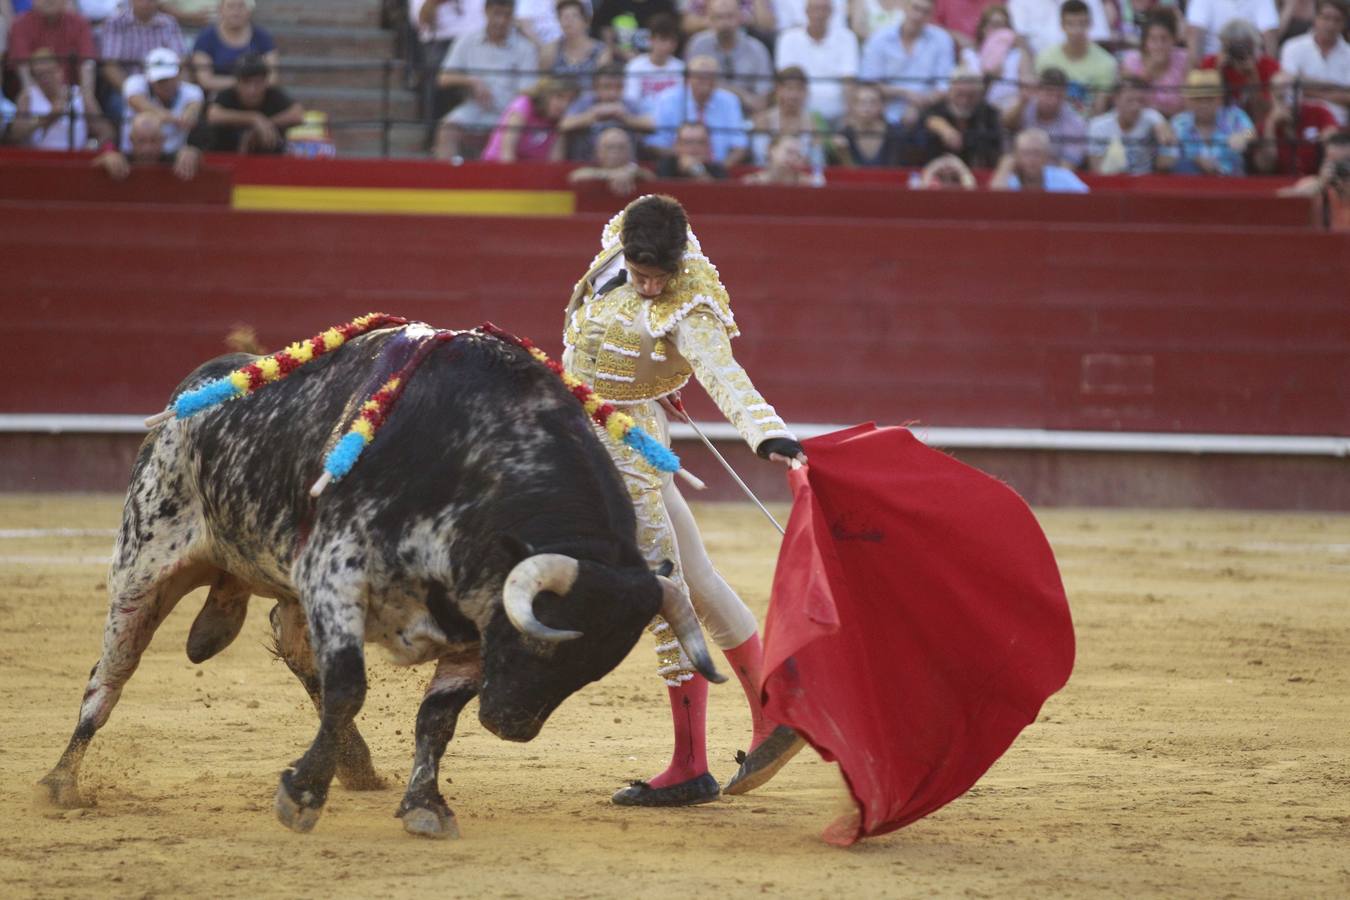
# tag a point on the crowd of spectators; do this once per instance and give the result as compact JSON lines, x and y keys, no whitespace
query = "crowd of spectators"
{"x":141,"y":80}
{"x":1202,"y":87}
{"x":1205,"y":87}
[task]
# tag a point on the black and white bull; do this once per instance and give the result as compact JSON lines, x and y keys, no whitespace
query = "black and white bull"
{"x":485,"y":529}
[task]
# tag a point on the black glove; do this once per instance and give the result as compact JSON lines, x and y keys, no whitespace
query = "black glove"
{"x":782,"y":446}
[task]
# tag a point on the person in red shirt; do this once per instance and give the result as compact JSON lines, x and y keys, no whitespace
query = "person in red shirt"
{"x":960,"y":18}
{"x":1245,"y":69}
{"x":50,"y":25}
{"x":1290,"y":139}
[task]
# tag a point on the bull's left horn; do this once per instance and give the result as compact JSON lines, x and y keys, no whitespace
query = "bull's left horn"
{"x":541,"y":572}
{"x":679,"y":613}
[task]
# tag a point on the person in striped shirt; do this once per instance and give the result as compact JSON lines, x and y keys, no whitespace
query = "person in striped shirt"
{"x":128,"y":37}
{"x":125,"y":39}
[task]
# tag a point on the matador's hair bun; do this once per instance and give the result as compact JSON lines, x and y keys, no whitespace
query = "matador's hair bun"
{"x":655,"y":232}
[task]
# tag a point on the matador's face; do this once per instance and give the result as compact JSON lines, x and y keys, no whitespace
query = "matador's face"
{"x":648,"y":281}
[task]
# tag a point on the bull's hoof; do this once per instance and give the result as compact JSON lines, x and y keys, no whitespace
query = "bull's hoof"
{"x":62,"y":789}
{"x":428,"y":817}
{"x":297,"y":810}
{"x":430,"y":823}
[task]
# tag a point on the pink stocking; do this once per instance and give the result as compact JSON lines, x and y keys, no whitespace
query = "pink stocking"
{"x":689,"y":709}
{"x":748,"y":662}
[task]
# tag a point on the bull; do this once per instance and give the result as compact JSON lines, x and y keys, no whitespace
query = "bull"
{"x":486,"y":529}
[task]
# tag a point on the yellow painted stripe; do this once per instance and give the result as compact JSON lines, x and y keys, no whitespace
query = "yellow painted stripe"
{"x":406,"y":201}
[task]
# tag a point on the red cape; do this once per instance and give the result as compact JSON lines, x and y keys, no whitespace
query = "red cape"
{"x":917,"y":622}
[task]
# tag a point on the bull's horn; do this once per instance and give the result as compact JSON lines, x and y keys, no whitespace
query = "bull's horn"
{"x":679,"y":613}
{"x":541,"y":572}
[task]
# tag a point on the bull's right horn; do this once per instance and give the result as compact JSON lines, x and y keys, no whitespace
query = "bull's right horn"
{"x":679,"y":613}
{"x":541,"y":572}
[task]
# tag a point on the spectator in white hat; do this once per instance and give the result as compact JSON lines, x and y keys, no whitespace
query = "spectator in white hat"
{"x":160,"y":93}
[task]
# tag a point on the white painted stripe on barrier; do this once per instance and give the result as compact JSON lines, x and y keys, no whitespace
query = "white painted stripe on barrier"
{"x":54,"y":423}
{"x":56,"y":560}
{"x":950,"y":438}
{"x":1098,"y":441}
{"x":18,"y":533}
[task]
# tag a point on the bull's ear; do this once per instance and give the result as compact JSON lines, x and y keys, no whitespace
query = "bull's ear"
{"x":665,"y":568}
{"x":514,"y":547}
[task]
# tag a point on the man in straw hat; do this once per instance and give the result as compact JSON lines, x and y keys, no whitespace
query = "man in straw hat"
{"x":1212,"y":136}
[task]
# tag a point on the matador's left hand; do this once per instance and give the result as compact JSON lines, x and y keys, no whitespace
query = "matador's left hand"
{"x":672,"y":405}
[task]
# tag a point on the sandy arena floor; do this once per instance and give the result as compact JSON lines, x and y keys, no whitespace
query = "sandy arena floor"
{"x":1199,"y":750}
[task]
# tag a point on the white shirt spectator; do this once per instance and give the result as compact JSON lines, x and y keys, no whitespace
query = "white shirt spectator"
{"x":1140,"y":142}
{"x":452,"y":19}
{"x":1038,"y":22}
{"x":543,"y":18}
{"x":1212,"y":15}
{"x":1302,"y":57}
{"x":67,"y":133}
{"x":96,"y":10}
{"x":505,"y":68}
{"x":746,"y":67}
{"x":174,"y":137}
{"x":791,"y":13}
{"x":925,"y":66}
{"x":825,"y":63}
{"x":877,"y":18}
{"x":644,"y":79}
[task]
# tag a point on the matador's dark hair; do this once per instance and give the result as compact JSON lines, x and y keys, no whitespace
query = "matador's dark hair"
{"x":655,"y":231}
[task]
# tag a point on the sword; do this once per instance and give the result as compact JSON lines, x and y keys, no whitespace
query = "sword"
{"x":678,"y":407}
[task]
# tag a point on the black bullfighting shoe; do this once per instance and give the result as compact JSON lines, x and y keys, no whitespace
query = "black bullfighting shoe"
{"x":702,"y":789}
{"x":762,"y":763}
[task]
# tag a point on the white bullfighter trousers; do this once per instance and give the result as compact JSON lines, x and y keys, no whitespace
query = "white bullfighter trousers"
{"x":666,"y":530}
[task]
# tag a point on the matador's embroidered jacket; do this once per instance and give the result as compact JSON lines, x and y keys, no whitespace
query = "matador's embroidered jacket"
{"x":632,"y":350}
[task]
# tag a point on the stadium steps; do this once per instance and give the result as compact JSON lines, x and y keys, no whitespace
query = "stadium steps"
{"x":344,"y":13}
{"x":299,"y":72}
{"x":348,"y":104}
{"x":332,"y":58}
{"x":406,"y":141}
{"x":332,"y":42}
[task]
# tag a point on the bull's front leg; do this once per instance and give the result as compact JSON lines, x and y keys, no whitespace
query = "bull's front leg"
{"x":291,"y":645}
{"x":423,"y":810}
{"x":332,"y":594}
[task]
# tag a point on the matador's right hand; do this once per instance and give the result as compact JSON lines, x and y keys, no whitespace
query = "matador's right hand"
{"x":783,"y":450}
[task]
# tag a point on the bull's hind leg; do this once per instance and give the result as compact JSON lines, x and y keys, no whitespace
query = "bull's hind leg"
{"x":332,"y":591}
{"x":354,"y":768}
{"x":137,"y":608}
{"x":423,"y":810}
